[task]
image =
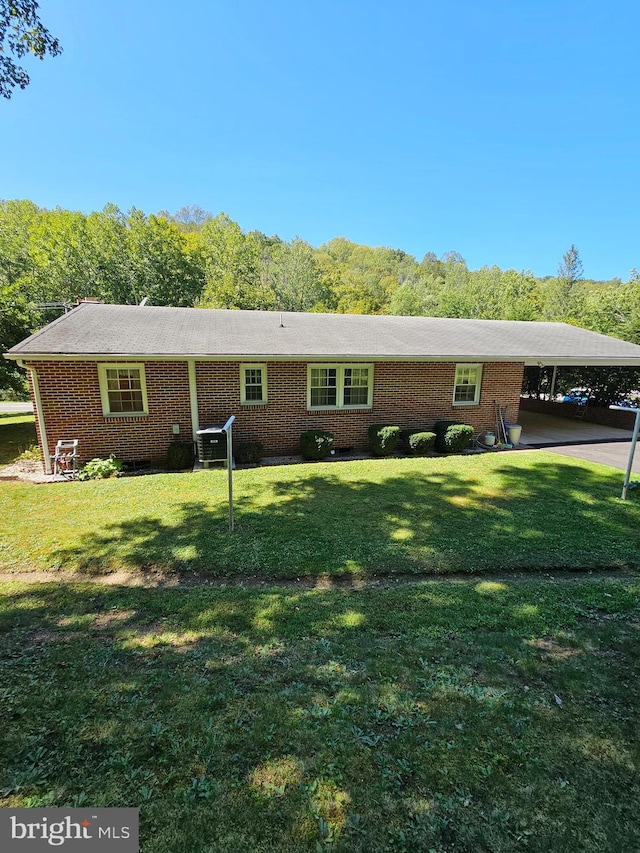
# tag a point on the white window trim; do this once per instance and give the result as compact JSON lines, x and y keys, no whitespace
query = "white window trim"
{"x":340,"y":369}
{"x":104,"y":391}
{"x":243,"y":387}
{"x":476,"y":399}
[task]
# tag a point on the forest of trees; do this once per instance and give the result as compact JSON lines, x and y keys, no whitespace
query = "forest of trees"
{"x":193,"y":258}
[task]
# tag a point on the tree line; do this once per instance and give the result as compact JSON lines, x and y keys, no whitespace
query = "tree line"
{"x":52,"y":258}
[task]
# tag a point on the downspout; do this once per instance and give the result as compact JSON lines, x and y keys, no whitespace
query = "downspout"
{"x":40,"y":415}
{"x":193,"y":397}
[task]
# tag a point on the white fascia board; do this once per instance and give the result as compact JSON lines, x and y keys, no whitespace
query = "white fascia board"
{"x":528,"y":361}
{"x":582,"y":362}
{"x":261,"y":357}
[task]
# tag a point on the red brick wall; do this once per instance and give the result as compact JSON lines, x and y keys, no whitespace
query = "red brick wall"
{"x":407,"y":394}
{"x":70,"y":394}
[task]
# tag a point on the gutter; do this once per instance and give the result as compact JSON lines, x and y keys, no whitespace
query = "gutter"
{"x":37,"y":399}
{"x":528,"y":361}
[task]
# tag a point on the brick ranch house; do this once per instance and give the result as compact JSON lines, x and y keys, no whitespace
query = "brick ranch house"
{"x":128,"y":379}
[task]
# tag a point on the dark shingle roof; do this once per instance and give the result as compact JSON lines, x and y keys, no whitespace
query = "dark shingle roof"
{"x":133,"y":331}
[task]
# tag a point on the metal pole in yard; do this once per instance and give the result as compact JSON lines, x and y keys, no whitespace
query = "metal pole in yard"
{"x":228,"y":428}
{"x":632,"y":450}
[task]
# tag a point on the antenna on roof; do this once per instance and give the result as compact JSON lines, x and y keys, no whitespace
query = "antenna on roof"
{"x":144,"y":302}
{"x":281,"y":323}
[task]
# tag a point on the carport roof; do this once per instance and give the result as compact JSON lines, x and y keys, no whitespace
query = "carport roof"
{"x":94,"y":330}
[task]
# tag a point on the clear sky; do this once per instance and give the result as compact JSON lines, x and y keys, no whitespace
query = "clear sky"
{"x":503,"y":129}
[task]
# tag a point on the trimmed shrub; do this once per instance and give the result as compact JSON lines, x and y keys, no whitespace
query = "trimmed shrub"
{"x":440,"y":428}
{"x":383,"y":439}
{"x":315,"y":444}
{"x":180,"y":455}
{"x":405,"y":434}
{"x":249,"y":453}
{"x":458,"y":437}
{"x":420,"y":443}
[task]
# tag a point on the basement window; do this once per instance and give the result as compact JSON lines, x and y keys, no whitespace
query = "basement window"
{"x":123,"y":389}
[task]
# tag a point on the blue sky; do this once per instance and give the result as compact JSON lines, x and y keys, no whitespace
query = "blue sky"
{"x":503,"y":130}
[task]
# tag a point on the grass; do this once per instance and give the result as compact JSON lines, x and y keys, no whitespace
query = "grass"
{"x":17,"y":434}
{"x":495,"y":512}
{"x":423,"y":716}
{"x":496,"y":714}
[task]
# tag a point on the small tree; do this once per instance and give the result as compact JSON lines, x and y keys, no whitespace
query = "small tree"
{"x":562,"y":295}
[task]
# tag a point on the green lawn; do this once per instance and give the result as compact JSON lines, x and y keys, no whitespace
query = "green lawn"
{"x":417,"y":718}
{"x":495,"y":512}
{"x":17,"y":433}
{"x":496,"y":714}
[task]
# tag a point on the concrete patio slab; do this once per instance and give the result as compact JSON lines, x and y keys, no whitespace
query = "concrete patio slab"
{"x":545,"y":430}
{"x":580,"y":440}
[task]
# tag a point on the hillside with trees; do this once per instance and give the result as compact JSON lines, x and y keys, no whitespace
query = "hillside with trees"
{"x":51,"y":258}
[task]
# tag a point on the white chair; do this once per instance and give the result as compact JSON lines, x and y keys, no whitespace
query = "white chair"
{"x":65,"y":459}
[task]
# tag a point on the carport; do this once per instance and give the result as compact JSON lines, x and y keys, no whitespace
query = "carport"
{"x":566,"y":430}
{"x":592,"y":442}
{"x":539,"y":430}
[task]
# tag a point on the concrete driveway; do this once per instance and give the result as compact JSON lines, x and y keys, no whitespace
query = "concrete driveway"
{"x":615,"y":454}
{"x":566,"y":437}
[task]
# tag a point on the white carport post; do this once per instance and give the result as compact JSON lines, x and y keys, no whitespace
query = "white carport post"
{"x":632,"y":449}
{"x":554,"y":376}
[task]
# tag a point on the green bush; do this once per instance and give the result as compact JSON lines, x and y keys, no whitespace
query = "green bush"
{"x":383,"y":439}
{"x":458,"y":437}
{"x":249,"y":453}
{"x":405,"y":434}
{"x":315,"y":444}
{"x":420,"y":443}
{"x":100,"y":469}
{"x":440,"y":428}
{"x":31,"y":453}
{"x":180,"y":455}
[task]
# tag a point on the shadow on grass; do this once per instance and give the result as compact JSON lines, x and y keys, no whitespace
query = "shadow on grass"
{"x":271,"y":720}
{"x":554,"y":515}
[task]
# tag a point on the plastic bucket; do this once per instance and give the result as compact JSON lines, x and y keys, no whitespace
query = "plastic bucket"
{"x":489,"y":439}
{"x":515,"y":431}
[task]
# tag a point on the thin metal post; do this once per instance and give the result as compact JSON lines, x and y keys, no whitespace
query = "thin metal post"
{"x":632,"y":450}
{"x":229,"y":468}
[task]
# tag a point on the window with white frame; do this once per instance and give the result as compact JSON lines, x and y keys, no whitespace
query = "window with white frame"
{"x":466,"y":389}
{"x":339,"y":386}
{"x":253,"y":383}
{"x":123,"y":389}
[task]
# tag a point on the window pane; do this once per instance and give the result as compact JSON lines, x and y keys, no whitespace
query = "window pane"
{"x":253,"y":384}
{"x":356,"y":386}
{"x":465,"y":393}
{"x":324,"y":386}
{"x":324,"y":377}
{"x":253,"y":392}
{"x":124,"y":389}
{"x":356,"y":396}
{"x":466,"y":384}
{"x":323,"y":397}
